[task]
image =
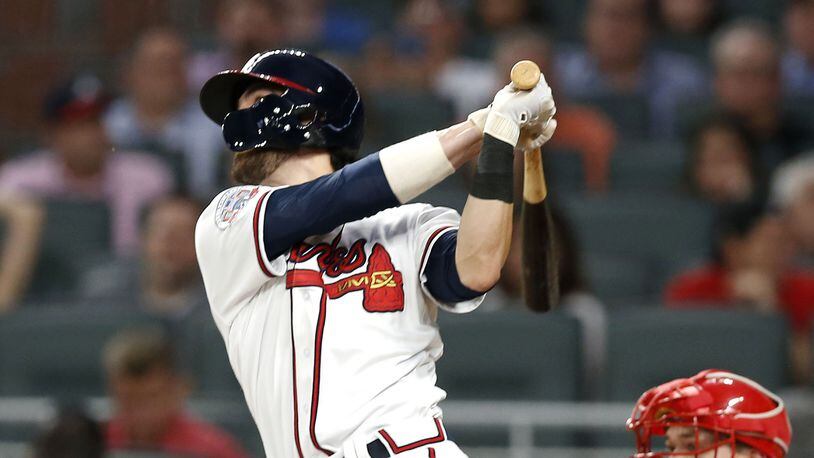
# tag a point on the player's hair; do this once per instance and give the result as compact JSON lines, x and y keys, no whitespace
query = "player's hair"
{"x":253,"y":167}
{"x":136,"y":352}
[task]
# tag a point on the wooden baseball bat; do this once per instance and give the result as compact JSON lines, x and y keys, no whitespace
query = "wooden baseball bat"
{"x":541,"y":288}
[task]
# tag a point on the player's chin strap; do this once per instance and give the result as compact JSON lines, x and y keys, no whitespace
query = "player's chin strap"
{"x":415,"y":165}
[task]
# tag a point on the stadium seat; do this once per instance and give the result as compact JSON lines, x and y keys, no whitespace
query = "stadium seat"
{"x":656,"y":229}
{"x":510,"y":355}
{"x":57,"y":350}
{"x":564,"y":171}
{"x":647,"y":167}
{"x":64,"y":254}
{"x":648,"y":347}
{"x":204,"y":354}
{"x":451,"y":193}
{"x":615,"y":279}
{"x":399,"y":115}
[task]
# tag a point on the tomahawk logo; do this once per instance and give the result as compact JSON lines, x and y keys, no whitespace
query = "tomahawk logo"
{"x":381,"y":284}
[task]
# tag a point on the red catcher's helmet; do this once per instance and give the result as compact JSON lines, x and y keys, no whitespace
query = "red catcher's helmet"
{"x":732,"y":407}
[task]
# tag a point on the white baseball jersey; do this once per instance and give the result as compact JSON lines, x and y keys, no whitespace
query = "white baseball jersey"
{"x":337,"y":336}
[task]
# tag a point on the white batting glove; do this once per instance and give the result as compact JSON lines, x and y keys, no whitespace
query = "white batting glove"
{"x":536,"y":134}
{"x":513,"y":109}
{"x":478,"y":118}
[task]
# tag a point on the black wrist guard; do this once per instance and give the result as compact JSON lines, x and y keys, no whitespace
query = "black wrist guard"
{"x":494,"y":178}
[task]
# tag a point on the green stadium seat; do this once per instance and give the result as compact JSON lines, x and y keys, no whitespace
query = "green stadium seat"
{"x":451,"y":193}
{"x":510,"y":355}
{"x":57,"y":351}
{"x":401,"y":114}
{"x":615,"y":279}
{"x":564,"y":171}
{"x":647,"y":167}
{"x":75,"y":233}
{"x":204,"y":354}
{"x":651,"y":346}
{"x":653,"y":228}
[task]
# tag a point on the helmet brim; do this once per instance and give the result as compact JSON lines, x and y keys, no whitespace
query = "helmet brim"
{"x":220,"y":94}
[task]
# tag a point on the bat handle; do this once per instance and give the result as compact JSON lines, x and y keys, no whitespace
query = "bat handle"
{"x":534,"y":186}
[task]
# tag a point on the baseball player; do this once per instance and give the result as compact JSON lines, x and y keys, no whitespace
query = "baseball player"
{"x":714,"y":414}
{"x":323,"y":283}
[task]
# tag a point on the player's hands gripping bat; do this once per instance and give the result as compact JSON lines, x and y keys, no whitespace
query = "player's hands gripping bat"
{"x":540,"y":257}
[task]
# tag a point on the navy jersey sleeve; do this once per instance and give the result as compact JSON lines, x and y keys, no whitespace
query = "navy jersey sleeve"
{"x":356,"y":191}
{"x":443,"y":281}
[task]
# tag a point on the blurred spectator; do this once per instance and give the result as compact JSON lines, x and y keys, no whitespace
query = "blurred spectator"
{"x":686,"y":25}
{"x":721,"y":164}
{"x":157,"y":113}
{"x":575,"y":296}
{"x":426,"y":42}
{"x":242,"y":28}
{"x":746,"y":62}
{"x":752,"y":268}
{"x":494,"y":17}
{"x":618,"y":60}
{"x":79,"y":163}
{"x":148,"y":394}
{"x":793,"y":197}
{"x":580,"y":128}
{"x":165,"y":281}
{"x":21,"y":220}
{"x":71,"y":435}
{"x":320,"y":25}
{"x":798,"y":62}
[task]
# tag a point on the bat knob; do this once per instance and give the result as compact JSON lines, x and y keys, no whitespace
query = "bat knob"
{"x":525,"y":75}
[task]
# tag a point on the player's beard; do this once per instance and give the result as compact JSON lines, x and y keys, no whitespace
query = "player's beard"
{"x":254,"y":166}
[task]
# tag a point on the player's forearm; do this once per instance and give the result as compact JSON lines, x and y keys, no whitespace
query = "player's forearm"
{"x":416,"y":165}
{"x":484,"y":236}
{"x":461,"y":142}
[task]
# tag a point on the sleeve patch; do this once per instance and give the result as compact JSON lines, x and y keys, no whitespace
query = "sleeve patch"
{"x":231,"y":204}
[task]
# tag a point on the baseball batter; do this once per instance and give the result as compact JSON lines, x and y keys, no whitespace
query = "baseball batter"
{"x":324,"y":284}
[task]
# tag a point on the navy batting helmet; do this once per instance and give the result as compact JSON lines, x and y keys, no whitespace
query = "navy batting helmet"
{"x":320,"y":107}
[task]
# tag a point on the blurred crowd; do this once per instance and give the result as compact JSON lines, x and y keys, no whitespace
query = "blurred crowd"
{"x":728,"y":87}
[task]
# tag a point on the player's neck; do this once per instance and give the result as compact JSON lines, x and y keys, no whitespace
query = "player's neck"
{"x":305,"y":166}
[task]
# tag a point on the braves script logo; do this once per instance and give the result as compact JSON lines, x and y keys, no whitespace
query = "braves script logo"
{"x":381,"y":284}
